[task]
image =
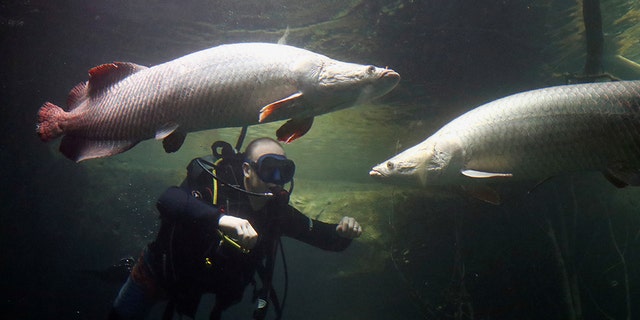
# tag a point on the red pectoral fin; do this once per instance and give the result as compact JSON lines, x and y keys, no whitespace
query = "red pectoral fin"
{"x":294,"y":129}
{"x":280,"y":106}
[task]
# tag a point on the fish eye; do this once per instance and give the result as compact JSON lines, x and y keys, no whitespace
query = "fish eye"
{"x":371,"y":69}
{"x":390,"y":165}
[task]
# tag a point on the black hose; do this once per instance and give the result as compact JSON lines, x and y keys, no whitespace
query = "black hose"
{"x":594,"y":37}
{"x":234,"y":187}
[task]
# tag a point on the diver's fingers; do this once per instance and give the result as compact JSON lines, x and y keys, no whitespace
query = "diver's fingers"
{"x":239,"y":229}
{"x":347,"y":223}
{"x":247,"y":236}
{"x":349,"y":228}
{"x":357,"y":230}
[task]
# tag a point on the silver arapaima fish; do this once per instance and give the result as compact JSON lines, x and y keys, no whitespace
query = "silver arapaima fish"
{"x":230,"y":85}
{"x":532,"y":135}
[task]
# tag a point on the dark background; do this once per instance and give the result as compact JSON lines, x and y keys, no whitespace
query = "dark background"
{"x":60,"y":218}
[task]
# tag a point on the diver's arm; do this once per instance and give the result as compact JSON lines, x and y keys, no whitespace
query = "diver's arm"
{"x":314,"y":232}
{"x":179,"y":205}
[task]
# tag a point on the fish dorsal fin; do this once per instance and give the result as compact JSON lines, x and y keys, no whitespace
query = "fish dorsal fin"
{"x":615,"y":181}
{"x":621,"y":176}
{"x":483,"y":175}
{"x":273,"y":109}
{"x":77,"y":95}
{"x":294,"y":129}
{"x":105,"y":75}
{"x":283,"y":39}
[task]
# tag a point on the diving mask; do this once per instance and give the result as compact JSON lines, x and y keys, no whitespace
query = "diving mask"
{"x":274,"y":168}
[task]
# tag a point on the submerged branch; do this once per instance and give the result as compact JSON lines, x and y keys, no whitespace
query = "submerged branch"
{"x":562,"y":269}
{"x":623,"y":262}
{"x":570,"y":254}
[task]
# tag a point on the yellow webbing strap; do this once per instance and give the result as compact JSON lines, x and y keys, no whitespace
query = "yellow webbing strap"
{"x":223,"y":236}
{"x":232,"y":242}
{"x":215,"y":183}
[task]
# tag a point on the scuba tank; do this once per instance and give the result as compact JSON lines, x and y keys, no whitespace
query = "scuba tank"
{"x":211,"y":177}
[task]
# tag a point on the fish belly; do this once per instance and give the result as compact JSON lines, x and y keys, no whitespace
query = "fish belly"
{"x":541,"y":133}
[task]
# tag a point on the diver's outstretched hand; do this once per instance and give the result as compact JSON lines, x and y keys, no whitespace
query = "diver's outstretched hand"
{"x":239,"y":229}
{"x":349,"y":228}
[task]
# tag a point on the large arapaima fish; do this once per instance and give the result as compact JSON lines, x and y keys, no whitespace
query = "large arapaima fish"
{"x":230,"y":85}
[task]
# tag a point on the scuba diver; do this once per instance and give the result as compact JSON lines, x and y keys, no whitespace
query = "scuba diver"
{"x":218,"y":229}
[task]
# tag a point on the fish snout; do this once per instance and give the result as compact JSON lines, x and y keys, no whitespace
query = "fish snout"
{"x":390,"y":74}
{"x":381,"y":170}
{"x":385,"y":82}
{"x":375,"y":173}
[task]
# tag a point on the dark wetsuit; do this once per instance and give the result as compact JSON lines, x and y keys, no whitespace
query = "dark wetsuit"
{"x":188,"y":257}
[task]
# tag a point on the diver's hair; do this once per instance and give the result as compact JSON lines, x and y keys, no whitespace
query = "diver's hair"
{"x":248,"y":152}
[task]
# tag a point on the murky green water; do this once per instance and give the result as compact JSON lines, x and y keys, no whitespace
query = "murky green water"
{"x":568,"y":250}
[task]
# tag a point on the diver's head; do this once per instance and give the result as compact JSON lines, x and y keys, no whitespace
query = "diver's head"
{"x":266,"y":167}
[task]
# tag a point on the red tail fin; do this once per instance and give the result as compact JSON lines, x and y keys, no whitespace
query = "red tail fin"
{"x":49,"y":117}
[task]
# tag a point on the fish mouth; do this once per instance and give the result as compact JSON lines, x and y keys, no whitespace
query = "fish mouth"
{"x":389,"y":73}
{"x":376,"y":174}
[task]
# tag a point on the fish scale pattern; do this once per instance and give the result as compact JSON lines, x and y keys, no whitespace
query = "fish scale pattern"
{"x":544,"y":132}
{"x":222,"y":86}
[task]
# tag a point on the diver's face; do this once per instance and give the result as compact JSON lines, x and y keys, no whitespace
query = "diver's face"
{"x":253,"y":183}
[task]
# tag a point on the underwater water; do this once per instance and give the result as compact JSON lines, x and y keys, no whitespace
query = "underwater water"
{"x":568,"y":250}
